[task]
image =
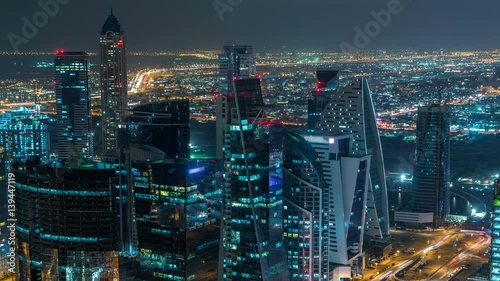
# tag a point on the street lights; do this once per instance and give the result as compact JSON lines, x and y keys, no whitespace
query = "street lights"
{"x":439,"y":257}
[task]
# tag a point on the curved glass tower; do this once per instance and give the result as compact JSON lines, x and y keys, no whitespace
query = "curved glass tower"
{"x":325,"y":191}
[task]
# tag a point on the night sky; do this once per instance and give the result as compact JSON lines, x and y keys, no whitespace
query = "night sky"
{"x":266,"y":24}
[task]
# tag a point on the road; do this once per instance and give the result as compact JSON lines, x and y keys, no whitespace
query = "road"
{"x":433,"y":247}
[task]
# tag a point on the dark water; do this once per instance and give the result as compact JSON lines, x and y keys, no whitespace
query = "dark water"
{"x":458,"y":206}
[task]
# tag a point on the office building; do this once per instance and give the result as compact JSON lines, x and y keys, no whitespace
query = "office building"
{"x":325,"y":190}
{"x":113,"y":82}
{"x":328,"y":82}
{"x":351,"y":111}
{"x":236,"y":62}
{"x":178,"y":223}
{"x":495,"y":235}
{"x":163,"y":125}
{"x":252,"y":247}
{"x":24,"y":133}
{"x":66,"y":222}
{"x":73,"y":106}
{"x":431,"y":175}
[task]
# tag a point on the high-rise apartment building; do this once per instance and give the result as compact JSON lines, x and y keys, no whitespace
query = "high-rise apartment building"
{"x":66,"y":222}
{"x":351,"y":111}
{"x":73,"y":106}
{"x":431,"y":175}
{"x":113,"y":82}
{"x":324,"y":192}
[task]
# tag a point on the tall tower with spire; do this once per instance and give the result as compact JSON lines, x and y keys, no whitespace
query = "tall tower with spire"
{"x":113,"y":73}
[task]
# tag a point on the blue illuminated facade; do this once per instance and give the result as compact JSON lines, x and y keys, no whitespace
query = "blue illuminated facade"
{"x":252,"y":247}
{"x":495,"y":235}
{"x":73,"y":106}
{"x":177,"y":205}
{"x":24,"y":133}
{"x":66,"y":222}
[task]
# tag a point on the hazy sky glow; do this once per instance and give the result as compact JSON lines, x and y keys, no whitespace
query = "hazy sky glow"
{"x":266,"y":24}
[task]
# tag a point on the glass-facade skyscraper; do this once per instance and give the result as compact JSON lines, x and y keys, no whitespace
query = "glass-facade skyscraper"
{"x":235,"y":62}
{"x":495,"y":235}
{"x":351,"y":111}
{"x":431,"y":175}
{"x":178,"y":229}
{"x":113,"y":82}
{"x":73,"y":106}
{"x":252,"y":247}
{"x":328,"y":82}
{"x":324,"y":192}
{"x":66,"y":222}
{"x":163,"y":125}
{"x":24,"y":133}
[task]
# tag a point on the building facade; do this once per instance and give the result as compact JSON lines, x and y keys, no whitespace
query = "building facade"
{"x":431,"y":175}
{"x":163,"y":125}
{"x":178,"y":226}
{"x":24,"y":133}
{"x":252,"y":247}
{"x":66,"y":223}
{"x":320,"y":173}
{"x":351,"y":111}
{"x":495,"y":235}
{"x":328,"y":82}
{"x":235,"y":62}
{"x":73,"y":106}
{"x":113,"y":82}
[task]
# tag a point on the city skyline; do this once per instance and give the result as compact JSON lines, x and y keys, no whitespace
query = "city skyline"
{"x":247,"y":163}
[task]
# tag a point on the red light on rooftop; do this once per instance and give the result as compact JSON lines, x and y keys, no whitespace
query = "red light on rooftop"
{"x":120,"y":43}
{"x":59,"y":52}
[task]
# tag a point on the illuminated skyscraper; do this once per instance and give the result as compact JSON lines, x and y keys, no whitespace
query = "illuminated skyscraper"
{"x":328,"y":82}
{"x":351,"y":111}
{"x":236,"y":62}
{"x":178,"y":231}
{"x":66,"y":222}
{"x":431,"y":175}
{"x":325,"y":191}
{"x":73,"y":106}
{"x":495,"y":235}
{"x":252,"y":247}
{"x":24,"y":133}
{"x":113,"y":76}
